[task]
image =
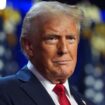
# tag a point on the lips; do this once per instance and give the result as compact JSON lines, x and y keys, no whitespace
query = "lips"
{"x":62,"y":62}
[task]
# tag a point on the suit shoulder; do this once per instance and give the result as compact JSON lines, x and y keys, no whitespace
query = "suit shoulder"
{"x":8,"y":80}
{"x":11,"y":79}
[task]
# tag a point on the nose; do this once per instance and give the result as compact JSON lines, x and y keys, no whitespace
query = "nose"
{"x":62,"y":47}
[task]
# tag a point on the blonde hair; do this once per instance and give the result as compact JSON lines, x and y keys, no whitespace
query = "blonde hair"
{"x":45,"y":9}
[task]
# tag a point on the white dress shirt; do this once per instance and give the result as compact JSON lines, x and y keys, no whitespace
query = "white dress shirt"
{"x":49,"y":86}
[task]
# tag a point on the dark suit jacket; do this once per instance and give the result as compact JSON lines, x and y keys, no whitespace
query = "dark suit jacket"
{"x":24,"y":89}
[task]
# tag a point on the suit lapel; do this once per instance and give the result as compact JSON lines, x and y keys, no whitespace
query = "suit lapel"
{"x":77,"y":97}
{"x":33,"y":88}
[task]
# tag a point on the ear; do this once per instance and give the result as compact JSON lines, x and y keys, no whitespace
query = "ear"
{"x":27,"y":47}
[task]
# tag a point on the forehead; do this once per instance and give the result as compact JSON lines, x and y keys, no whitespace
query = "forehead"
{"x":60,"y":24}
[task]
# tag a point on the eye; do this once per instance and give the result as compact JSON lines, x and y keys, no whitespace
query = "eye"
{"x":51,"y":39}
{"x":71,"y":39}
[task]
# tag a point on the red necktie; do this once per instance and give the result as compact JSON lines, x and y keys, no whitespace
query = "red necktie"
{"x":59,"y":89}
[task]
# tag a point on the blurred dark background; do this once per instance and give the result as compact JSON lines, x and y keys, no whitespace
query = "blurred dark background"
{"x":99,"y":3}
{"x":89,"y":76}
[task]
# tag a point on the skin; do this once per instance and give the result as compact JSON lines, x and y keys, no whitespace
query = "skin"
{"x":53,"y":50}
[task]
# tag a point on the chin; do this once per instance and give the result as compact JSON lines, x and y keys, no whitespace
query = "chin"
{"x":59,"y":80}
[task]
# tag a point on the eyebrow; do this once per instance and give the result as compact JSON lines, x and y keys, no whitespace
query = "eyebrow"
{"x":58,"y":36}
{"x":51,"y":35}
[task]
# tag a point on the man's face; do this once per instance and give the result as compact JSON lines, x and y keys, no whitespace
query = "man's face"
{"x":56,"y":53}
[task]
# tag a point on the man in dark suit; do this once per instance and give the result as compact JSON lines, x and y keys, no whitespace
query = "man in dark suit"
{"x":49,"y":39}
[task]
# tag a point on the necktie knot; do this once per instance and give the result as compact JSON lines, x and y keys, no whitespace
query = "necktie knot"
{"x":59,"y":89}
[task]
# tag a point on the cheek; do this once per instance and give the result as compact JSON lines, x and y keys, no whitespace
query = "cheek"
{"x":75,"y":53}
{"x":73,"y":50}
{"x":49,"y":52}
{"x":47,"y":57}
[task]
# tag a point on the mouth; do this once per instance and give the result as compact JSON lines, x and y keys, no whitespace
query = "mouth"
{"x":63,"y":62}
